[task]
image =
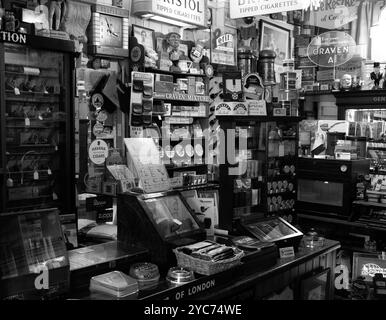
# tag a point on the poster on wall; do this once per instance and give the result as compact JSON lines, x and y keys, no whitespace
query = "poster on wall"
{"x":277,"y":39}
{"x":224,"y":46}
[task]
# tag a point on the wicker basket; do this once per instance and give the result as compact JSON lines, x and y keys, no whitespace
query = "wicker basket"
{"x":207,"y":267}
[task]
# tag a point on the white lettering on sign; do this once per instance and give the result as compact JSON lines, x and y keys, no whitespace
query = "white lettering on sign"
{"x":224,"y":39}
{"x":13,"y":37}
{"x":248,"y":8}
{"x":333,"y":14}
{"x":331,"y":49}
{"x":98,"y":152}
{"x":287,"y":252}
{"x":195,"y":289}
{"x":342,"y":279}
{"x":42,"y":281}
{"x":188,"y":11}
{"x":370,"y":269}
{"x":379,"y":99}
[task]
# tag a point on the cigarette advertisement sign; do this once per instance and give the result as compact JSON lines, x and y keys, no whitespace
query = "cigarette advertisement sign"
{"x":331,"y":49}
{"x":249,"y":8}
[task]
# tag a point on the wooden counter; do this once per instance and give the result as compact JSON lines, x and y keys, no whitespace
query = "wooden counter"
{"x":243,"y":282}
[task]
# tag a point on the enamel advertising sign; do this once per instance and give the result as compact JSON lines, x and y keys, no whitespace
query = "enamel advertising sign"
{"x":331,"y":49}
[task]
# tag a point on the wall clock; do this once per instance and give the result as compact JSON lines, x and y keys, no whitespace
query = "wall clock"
{"x":109,"y":32}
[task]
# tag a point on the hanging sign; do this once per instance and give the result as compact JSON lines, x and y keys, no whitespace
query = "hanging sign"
{"x":250,"y":8}
{"x":187,"y":11}
{"x":334,"y":14}
{"x":224,"y":48}
{"x":331,"y":49}
{"x":98,"y":151}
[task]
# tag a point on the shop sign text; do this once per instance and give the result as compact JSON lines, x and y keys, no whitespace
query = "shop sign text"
{"x":98,"y":152}
{"x":331,"y":49}
{"x":333,"y":14}
{"x":13,"y":37}
{"x":188,"y":11}
{"x":196,"y":289}
{"x":249,"y":8}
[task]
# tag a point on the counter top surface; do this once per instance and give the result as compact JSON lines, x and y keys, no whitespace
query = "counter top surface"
{"x":240,"y":276}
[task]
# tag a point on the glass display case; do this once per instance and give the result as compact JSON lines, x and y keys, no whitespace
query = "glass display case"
{"x":37,"y":139}
{"x":260,"y":180}
{"x":31,"y":242}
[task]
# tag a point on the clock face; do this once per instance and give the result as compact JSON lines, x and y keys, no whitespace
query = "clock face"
{"x":110,"y":31}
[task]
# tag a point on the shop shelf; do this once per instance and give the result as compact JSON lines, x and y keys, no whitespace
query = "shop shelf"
{"x":177,"y":74}
{"x":187,"y":167}
{"x":31,"y":146}
{"x":35,"y":119}
{"x":200,"y":186}
{"x":31,"y":127}
{"x":31,"y":75}
{"x":370,"y":204}
{"x":258,"y":118}
{"x":183,"y":97}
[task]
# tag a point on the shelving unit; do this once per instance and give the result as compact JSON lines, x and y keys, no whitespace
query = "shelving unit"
{"x":269,"y":185}
{"x":36,"y":121}
{"x":183,"y":121}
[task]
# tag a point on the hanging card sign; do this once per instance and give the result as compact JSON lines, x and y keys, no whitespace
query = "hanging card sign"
{"x":224,"y":48}
{"x":187,"y":11}
{"x":331,"y":49}
{"x":98,"y":152}
{"x":334,"y":14}
{"x":250,"y":8}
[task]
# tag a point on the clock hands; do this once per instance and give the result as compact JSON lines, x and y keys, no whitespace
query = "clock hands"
{"x":110,"y":29}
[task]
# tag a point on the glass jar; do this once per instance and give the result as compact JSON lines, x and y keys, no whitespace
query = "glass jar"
{"x":288,"y":77}
{"x":266,"y":67}
{"x":246,"y":62}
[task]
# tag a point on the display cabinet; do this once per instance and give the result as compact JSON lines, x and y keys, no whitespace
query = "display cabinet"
{"x":179,"y":120}
{"x":36,"y":123}
{"x":259,"y":179}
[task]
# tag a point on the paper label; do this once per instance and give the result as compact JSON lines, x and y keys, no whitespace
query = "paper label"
{"x":287,"y":252}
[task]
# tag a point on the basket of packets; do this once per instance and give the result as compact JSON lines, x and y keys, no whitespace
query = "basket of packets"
{"x":208,"y":257}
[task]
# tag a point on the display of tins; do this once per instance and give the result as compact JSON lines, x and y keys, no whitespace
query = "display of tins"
{"x":179,"y":150}
{"x":97,"y":130}
{"x":199,"y":150}
{"x":102,"y":116}
{"x":169,"y":151}
{"x":147,"y":274}
{"x":189,"y":150}
{"x":114,"y":283}
{"x":266,"y":66}
{"x":177,"y":276}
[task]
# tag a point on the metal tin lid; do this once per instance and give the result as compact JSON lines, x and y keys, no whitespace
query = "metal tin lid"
{"x":265,"y":54}
{"x":178,"y":275}
{"x":144,"y":271}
